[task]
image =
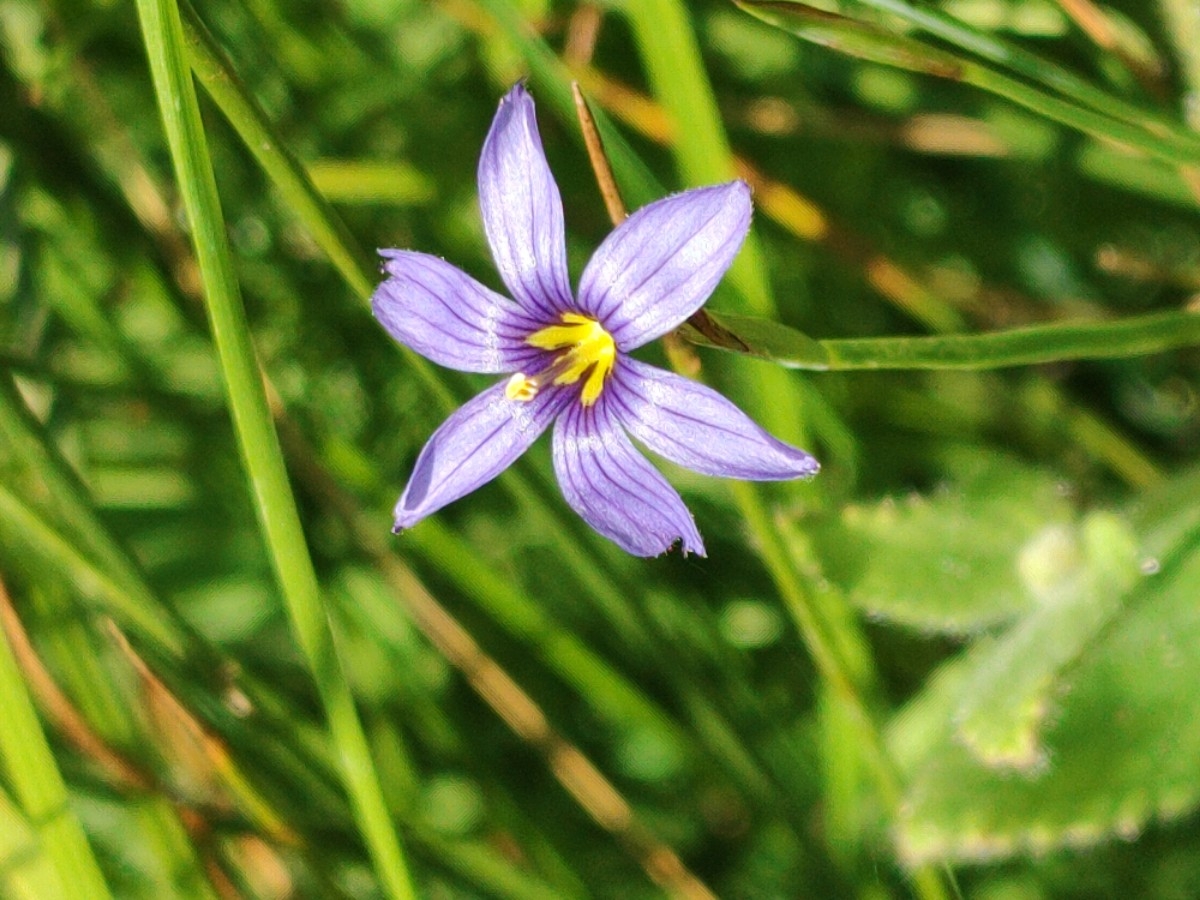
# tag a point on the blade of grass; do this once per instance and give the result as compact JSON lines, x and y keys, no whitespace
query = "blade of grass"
{"x":263,"y":460}
{"x":26,"y":872}
{"x":91,"y":556}
{"x":1031,"y":345}
{"x":1183,"y":30}
{"x":1028,"y":65}
{"x":864,"y":41}
{"x":38,"y":785}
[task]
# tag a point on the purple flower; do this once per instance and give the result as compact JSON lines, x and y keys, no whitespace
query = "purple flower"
{"x":567,"y":355}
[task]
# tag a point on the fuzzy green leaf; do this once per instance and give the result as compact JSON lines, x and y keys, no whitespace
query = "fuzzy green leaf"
{"x":947,"y":562}
{"x":1120,"y":740}
{"x":1009,"y":695}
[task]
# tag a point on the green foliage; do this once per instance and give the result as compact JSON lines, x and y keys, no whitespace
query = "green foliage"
{"x":961,"y":662}
{"x":992,"y":538}
{"x":1093,"y":714}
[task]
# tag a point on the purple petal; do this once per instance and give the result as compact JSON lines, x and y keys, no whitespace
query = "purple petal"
{"x":445,"y":315}
{"x":696,"y":427}
{"x":615,"y":489}
{"x":478,"y":442}
{"x":661,"y":264}
{"x":522,"y":209}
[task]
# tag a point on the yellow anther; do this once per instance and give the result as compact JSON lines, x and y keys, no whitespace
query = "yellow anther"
{"x":588,"y":347}
{"x":521,"y":388}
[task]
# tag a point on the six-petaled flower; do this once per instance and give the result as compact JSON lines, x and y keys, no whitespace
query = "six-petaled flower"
{"x":566,"y":353}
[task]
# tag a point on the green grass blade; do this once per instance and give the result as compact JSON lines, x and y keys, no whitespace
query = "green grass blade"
{"x":703,"y":156}
{"x":1028,"y":65}
{"x":263,"y":460}
{"x":39,"y":786}
{"x":866,"y":41}
{"x":1027,"y":346}
{"x":296,"y":188}
{"x":90,"y":556}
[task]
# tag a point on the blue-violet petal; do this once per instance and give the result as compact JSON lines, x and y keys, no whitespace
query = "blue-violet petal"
{"x":522,"y":209}
{"x":697,"y":428}
{"x":478,"y":442}
{"x":615,"y":488}
{"x":660,"y":265}
{"x":445,"y":315}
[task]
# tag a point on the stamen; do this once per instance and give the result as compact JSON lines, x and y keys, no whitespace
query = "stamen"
{"x":590,"y":351}
{"x":521,"y":388}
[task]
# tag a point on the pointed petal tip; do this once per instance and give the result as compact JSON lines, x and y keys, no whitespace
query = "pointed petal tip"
{"x":403,"y":519}
{"x":788,"y":464}
{"x":697,"y":428}
{"x":689,"y":544}
{"x":522,"y":208}
{"x":519,"y":92}
{"x":739,"y":186}
{"x":806,"y":465}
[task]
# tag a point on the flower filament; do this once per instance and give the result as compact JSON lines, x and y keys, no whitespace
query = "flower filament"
{"x":590,"y":351}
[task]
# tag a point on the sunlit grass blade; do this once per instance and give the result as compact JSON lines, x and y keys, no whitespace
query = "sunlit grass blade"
{"x":1027,"y":346}
{"x":873,"y":43}
{"x":26,"y":872}
{"x":274,"y":503}
{"x":1007,"y":56}
{"x":355,"y":181}
{"x":39,"y":786}
{"x":671,"y":53}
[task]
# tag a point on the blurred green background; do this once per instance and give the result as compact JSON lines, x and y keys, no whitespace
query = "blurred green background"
{"x":960,"y":662}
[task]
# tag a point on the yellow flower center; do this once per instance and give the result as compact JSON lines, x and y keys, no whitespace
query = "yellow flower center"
{"x":588,"y":347}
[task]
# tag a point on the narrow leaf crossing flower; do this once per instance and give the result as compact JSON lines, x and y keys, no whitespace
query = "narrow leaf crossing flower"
{"x":567,"y":355}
